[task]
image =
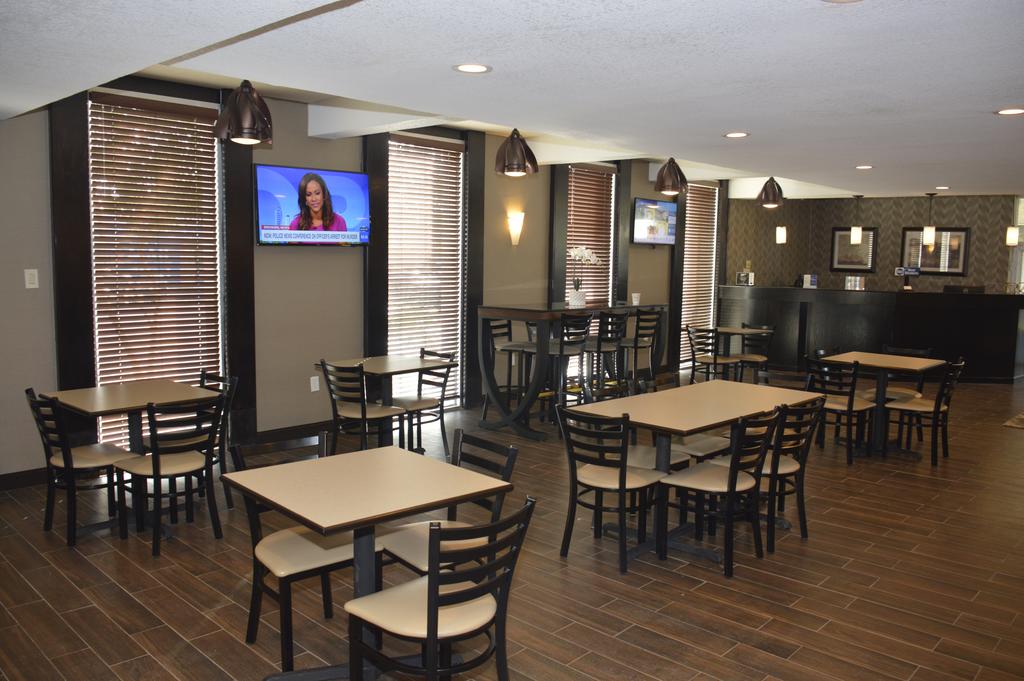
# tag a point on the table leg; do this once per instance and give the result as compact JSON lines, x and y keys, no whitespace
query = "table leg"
{"x":508,"y":417}
{"x":135,"y":432}
{"x":880,"y":427}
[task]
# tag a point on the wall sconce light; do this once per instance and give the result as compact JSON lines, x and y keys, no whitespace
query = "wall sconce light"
{"x":780,"y":234}
{"x":771,"y":194}
{"x":1012,"y":235}
{"x":515,"y":226}
{"x":245,"y":118}
{"x":515,"y":158}
{"x":928,"y":233}
{"x":857,"y":231}
{"x":670,"y":180}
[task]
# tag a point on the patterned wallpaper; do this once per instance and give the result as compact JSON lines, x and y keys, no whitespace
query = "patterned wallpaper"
{"x":751,"y":236}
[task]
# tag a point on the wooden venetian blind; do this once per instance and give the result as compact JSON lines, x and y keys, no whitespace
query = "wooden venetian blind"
{"x":591,"y":207}
{"x":426,"y":246}
{"x":699,"y":275}
{"x":153,"y":178}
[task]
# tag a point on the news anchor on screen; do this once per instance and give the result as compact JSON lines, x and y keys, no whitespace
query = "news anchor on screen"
{"x":316,"y":213}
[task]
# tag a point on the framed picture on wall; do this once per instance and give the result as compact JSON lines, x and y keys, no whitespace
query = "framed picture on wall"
{"x":947,"y":256}
{"x":851,"y":257}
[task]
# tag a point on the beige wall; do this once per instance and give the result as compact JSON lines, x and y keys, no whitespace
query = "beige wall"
{"x":27,"y":351}
{"x":650,"y":267}
{"x":309,"y":300}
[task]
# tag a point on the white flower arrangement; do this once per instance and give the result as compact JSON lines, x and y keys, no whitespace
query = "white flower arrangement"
{"x":581,"y":255}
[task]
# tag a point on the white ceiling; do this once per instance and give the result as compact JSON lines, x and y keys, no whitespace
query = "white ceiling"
{"x":908,"y":86}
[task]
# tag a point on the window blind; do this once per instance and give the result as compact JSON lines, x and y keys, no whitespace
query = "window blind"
{"x":591,"y":207}
{"x":153,"y":189}
{"x":426,"y":243}
{"x":699,"y":276}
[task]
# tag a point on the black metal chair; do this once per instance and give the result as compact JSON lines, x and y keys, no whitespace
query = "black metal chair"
{"x":645,"y":335}
{"x":787,"y":464}
{"x":838,"y":382}
{"x":428,"y":408}
{"x":225,"y":385}
{"x":407,"y":544}
{"x":702,"y":346}
{"x":346,"y":387}
{"x":755,"y":351}
{"x":574,"y":330}
{"x":64,"y":463}
{"x":501,"y":341}
{"x":933,"y":412}
{"x":464,"y":594}
{"x":606,"y":377}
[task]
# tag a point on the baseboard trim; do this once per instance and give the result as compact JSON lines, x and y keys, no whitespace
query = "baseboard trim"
{"x":32,"y":476}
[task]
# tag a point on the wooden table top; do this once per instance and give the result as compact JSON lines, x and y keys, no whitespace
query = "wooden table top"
{"x":347,"y":491}
{"x":739,"y":331}
{"x":391,"y":365}
{"x":698,"y":407}
{"x":878,"y":360}
{"x":120,"y":398}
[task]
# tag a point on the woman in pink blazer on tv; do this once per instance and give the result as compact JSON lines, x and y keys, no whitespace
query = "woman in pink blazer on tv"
{"x":315,"y":211}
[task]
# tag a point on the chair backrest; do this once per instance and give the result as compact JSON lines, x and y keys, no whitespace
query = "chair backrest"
{"x":950,"y":379}
{"x":501,"y":329}
{"x":496,"y":460}
{"x":484,"y":568}
{"x":749,"y":439}
{"x":648,"y":323}
{"x":187,"y":427}
{"x":49,"y":418}
{"x":833,"y":378}
{"x":795,"y":431}
{"x":435,"y":378}
{"x":225,"y":385}
{"x":703,"y":341}
{"x":345,"y":385}
{"x":758,"y":343}
{"x":575,"y":329}
{"x":595,"y":440}
{"x":611,"y":329}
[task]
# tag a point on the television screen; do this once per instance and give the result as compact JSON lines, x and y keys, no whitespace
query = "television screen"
{"x":304,"y":206}
{"x":654,"y":222}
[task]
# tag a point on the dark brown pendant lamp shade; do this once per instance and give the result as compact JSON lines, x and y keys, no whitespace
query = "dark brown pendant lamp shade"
{"x":771,"y":194}
{"x":671,"y":181}
{"x":515,"y":158}
{"x":245,"y":118}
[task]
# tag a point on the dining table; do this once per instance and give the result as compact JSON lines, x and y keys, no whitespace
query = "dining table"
{"x":884,"y":363}
{"x":546,"y":318}
{"x":357,"y":492}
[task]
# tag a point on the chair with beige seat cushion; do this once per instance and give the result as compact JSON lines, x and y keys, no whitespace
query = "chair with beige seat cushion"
{"x":726,"y":491}
{"x":932,"y":412}
{"x":426,"y":408}
{"x":598,"y":452}
{"x":183,"y":445}
{"x":64,"y":462}
{"x":465,"y":594}
{"x":645,"y":335}
{"x":702,"y":355}
{"x":407,"y":543}
{"x":786,"y":464}
{"x":755,"y":351}
{"x":346,"y":386}
{"x":838,"y":383}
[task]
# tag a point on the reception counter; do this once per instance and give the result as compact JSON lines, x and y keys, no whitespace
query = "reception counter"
{"x":987,"y":330}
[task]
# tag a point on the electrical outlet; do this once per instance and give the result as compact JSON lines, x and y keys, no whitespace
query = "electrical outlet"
{"x":314,"y":384}
{"x":31,"y":278}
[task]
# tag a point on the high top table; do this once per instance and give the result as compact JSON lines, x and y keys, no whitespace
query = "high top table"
{"x":884,"y":363}
{"x":546,"y":318}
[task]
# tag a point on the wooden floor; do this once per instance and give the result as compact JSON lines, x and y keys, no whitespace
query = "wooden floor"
{"x":910,"y":573}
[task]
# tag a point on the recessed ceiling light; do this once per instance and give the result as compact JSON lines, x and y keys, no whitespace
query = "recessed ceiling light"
{"x":864,"y":167}
{"x":736,"y":135}
{"x":1012,"y":111}
{"x":942,"y":187}
{"x":472,"y":68}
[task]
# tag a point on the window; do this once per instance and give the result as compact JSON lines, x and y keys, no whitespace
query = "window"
{"x":154,"y":204}
{"x":591,"y":208}
{"x":426,"y":243}
{"x":699,"y":276}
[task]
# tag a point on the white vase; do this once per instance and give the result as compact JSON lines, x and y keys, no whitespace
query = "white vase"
{"x":576,"y":298}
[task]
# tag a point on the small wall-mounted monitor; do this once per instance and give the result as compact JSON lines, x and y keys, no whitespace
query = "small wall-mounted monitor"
{"x":298,"y":206}
{"x":654,"y":222}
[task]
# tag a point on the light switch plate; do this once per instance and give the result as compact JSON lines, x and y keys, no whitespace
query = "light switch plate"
{"x":31,"y":278}
{"x":314,"y":384}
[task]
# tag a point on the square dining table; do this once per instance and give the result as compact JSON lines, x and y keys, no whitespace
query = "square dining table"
{"x":357,"y":491}
{"x":884,"y":363}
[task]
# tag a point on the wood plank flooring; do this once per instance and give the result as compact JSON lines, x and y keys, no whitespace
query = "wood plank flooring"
{"x":910,"y":574}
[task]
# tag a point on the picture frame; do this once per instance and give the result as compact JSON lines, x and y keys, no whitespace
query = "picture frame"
{"x":847,"y":257}
{"x":948,"y":258}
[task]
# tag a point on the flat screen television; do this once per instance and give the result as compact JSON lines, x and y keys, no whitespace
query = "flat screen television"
{"x":337,"y":213}
{"x":654,"y":222}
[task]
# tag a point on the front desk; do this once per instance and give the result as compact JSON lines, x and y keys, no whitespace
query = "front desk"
{"x":987,"y":330}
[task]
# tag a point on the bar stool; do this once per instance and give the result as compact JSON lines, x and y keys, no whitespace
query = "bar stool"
{"x":645,"y":333}
{"x":574,"y":330}
{"x":501,"y":341}
{"x":605,"y":371}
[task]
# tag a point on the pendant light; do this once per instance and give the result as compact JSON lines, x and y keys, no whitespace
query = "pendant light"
{"x":671,"y":181}
{"x":245,"y":118}
{"x":515,"y":158}
{"x":857,"y":231}
{"x":1012,"y":235}
{"x":928,"y":233}
{"x":780,"y":234}
{"x":771,"y":194}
